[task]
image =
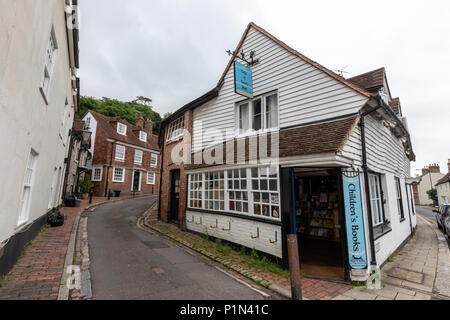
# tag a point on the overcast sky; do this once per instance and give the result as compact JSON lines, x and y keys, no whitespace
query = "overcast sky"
{"x":174,"y":51}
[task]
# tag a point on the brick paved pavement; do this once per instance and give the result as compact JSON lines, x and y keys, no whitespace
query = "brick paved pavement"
{"x":416,"y":272}
{"x":37,"y":274}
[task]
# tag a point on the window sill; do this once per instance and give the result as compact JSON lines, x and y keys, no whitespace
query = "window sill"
{"x":240,"y":216}
{"x":256,"y":133}
{"x":402,"y":220}
{"x":381,"y":230}
{"x":173,"y":140}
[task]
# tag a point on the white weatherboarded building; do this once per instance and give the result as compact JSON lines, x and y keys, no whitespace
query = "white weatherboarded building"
{"x":330,"y":129}
{"x":39,"y":95}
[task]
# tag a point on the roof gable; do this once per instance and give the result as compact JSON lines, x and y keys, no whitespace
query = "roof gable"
{"x":294,"y":52}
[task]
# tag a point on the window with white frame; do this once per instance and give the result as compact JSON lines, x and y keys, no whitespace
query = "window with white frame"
{"x":265,"y":196}
{"x":154,"y":160}
{"x":237,"y":190}
{"x":398,"y":190}
{"x":196,"y":190}
{"x":121,"y":129}
{"x":120,"y":153}
{"x":215,"y":191}
{"x":27,"y":188}
{"x":119,"y":175}
{"x":376,"y":203}
{"x":143,"y":136}
{"x":176,"y":129}
{"x":51,"y":200}
{"x":88,"y":123}
{"x":246,"y":191}
{"x":258,"y":114}
{"x":138,"y":154}
{"x":64,"y":118}
{"x":97,"y":174}
{"x":50,"y":56}
{"x":150,"y":177}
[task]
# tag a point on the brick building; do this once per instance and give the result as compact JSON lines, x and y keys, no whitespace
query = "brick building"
{"x":126,"y":158}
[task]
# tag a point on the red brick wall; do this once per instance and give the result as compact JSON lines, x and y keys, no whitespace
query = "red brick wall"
{"x":102,"y":158}
{"x":169,"y":166}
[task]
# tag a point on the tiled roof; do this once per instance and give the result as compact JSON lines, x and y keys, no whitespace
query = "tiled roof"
{"x":130,"y":138}
{"x":396,"y":106}
{"x":371,"y":81}
{"x":318,"y":138}
{"x":445,"y":179}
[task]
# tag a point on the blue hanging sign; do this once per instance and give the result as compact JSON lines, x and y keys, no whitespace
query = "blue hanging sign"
{"x":243,"y":80}
{"x":356,"y":239}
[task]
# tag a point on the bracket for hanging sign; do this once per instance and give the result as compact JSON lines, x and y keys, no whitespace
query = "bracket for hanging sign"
{"x":241,"y":56}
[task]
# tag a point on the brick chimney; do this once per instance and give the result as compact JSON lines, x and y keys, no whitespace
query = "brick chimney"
{"x":140,"y":122}
{"x":149,"y":126}
{"x":434,"y":168}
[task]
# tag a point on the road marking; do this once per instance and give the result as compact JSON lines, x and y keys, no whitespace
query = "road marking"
{"x":243,"y":282}
{"x":426,"y":220}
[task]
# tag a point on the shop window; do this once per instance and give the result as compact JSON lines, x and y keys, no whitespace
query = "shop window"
{"x":196,"y":190}
{"x":398,"y":190}
{"x":265,"y":194}
{"x":215,"y":191}
{"x":376,"y":203}
{"x":237,"y":190}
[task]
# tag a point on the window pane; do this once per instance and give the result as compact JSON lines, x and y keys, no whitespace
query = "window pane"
{"x":243,"y":118}
{"x":272,"y":111}
{"x":257,"y":116}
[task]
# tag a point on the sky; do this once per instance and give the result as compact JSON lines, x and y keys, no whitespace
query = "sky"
{"x":173,"y":51}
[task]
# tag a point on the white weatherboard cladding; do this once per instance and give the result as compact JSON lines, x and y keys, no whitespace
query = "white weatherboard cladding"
{"x":241,"y":231}
{"x":385,"y":152}
{"x":306,"y":94}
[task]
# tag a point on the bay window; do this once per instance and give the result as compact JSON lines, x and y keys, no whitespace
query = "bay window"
{"x":258,"y":114}
{"x":241,"y":191}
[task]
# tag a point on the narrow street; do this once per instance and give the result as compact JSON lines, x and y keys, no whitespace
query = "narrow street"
{"x":426,"y":212}
{"x":128,"y":263}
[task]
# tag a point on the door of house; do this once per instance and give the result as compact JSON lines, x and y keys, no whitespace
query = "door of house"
{"x":136,"y":181}
{"x":174,"y":195}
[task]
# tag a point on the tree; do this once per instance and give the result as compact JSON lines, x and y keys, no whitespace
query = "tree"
{"x":128,"y":111}
{"x":432,"y":195}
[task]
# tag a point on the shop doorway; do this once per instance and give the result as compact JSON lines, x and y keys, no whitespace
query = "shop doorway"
{"x":174,"y":195}
{"x":319,"y":223}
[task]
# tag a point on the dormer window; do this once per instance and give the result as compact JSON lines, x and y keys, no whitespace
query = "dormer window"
{"x":143,"y":136}
{"x":176,"y":129}
{"x":121,"y":129}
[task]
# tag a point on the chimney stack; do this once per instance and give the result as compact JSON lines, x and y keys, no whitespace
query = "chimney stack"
{"x":434,"y":168}
{"x":149,"y":126}
{"x":140,"y":122}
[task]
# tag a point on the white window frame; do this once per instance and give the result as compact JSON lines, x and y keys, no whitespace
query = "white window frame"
{"x":150,"y":181}
{"x":399,"y":199}
{"x":64,"y":118}
{"x":93,"y":174}
{"x":143,"y":136}
{"x":121,"y":129}
{"x":27,"y":190}
{"x":137,"y":158}
{"x":251,"y":115}
{"x":114,"y":175}
{"x":377,"y":219}
{"x":49,"y":64}
{"x":154,"y":160}
{"x":201,"y":194}
{"x":176,"y":129}
{"x":118,"y":153}
{"x":51,"y":200}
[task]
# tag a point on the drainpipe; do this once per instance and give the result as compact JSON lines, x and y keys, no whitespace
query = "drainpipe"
{"x":162,"y":132}
{"x":362,"y":115}
{"x":68,"y":159}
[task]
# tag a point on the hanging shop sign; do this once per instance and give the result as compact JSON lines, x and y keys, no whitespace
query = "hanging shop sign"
{"x":354,"y":222}
{"x":243,"y":80}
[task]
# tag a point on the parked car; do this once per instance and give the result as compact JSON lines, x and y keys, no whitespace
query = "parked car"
{"x":441,"y":215}
{"x":447,"y":225}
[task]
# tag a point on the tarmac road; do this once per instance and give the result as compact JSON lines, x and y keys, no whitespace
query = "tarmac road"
{"x":128,"y":263}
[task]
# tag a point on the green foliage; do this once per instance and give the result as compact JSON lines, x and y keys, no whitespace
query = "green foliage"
{"x":86,"y":185}
{"x":224,"y":250}
{"x":166,"y":115}
{"x":265,"y":265}
{"x":129,"y":111}
{"x":432,"y":195}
